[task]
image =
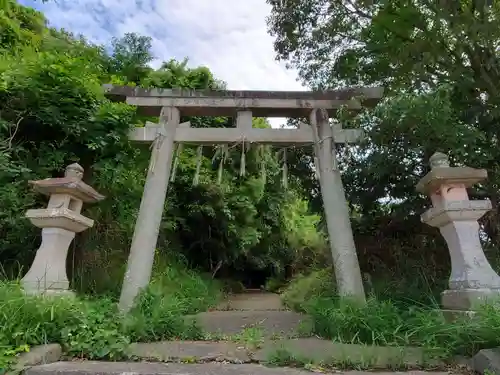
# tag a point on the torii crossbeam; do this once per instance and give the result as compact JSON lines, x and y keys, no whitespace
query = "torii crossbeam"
{"x":169,"y":105}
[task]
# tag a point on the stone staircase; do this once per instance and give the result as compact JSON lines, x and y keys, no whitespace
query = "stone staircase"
{"x":269,"y":327}
{"x":252,"y":309}
{"x":144,"y":368}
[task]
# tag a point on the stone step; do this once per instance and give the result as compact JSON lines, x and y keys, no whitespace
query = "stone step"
{"x":272,"y":322}
{"x":303,"y":350}
{"x":251,"y":299}
{"x":146,"y":368}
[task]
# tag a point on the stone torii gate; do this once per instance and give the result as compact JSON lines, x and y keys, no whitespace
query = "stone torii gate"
{"x":169,"y":105}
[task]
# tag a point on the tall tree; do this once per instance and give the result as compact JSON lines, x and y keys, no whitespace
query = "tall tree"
{"x":130,"y":57}
{"x":440,"y":64}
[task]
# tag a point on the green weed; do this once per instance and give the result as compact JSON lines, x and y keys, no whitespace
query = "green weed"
{"x":284,"y":357}
{"x":251,"y":337}
{"x":391,"y":322}
{"x":94,"y":328}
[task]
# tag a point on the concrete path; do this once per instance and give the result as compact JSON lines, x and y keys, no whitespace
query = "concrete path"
{"x":252,"y":309}
{"x":271,"y":323}
{"x":252,"y":299}
{"x":145,"y":368}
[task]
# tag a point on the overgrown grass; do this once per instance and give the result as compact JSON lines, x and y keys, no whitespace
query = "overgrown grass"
{"x":388,"y":322}
{"x":94,"y":328}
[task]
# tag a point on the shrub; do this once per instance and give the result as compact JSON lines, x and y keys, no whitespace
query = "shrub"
{"x":84,"y":328}
{"x":274,"y":284}
{"x":94,"y":328}
{"x":174,"y":292}
{"x":383,"y":323}
{"x":390,"y":323}
{"x":317,"y":284}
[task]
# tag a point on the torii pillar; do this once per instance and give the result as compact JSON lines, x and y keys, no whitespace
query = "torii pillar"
{"x":140,"y":261}
{"x":345,"y":258}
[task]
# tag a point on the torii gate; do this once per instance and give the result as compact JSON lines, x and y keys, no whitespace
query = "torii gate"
{"x":170,"y":104}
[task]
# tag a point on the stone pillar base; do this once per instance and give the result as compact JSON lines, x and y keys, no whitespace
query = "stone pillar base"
{"x":468,"y":299}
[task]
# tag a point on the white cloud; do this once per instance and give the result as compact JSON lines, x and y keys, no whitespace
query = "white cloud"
{"x":227,"y":36}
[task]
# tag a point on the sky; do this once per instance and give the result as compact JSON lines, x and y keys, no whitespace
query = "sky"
{"x":227,"y":36}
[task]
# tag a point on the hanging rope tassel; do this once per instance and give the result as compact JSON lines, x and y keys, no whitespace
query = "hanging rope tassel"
{"x":242,"y":161}
{"x":216,"y":154}
{"x":178,"y":151}
{"x":199,"y":155}
{"x":224,"y":151}
{"x":285,"y":171}
{"x":263,"y":172}
{"x":155,"y":147}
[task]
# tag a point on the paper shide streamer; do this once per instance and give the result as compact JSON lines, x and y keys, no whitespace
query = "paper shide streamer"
{"x":285,"y":171}
{"x":178,"y":150}
{"x":155,"y":146}
{"x":282,"y":157}
{"x":316,"y":167}
{"x":243,"y":159}
{"x":199,"y":156}
{"x":221,"y":152}
{"x":262,"y":159}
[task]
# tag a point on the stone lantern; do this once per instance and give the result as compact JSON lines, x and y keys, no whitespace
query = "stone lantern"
{"x":472,"y":280}
{"x":60,"y":221}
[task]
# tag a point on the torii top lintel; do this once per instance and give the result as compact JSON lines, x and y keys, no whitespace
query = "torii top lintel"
{"x":228,"y":102}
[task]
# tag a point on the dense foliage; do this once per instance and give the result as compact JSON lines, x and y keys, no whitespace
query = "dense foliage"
{"x":53,"y":112}
{"x":93,"y":328}
{"x":439,"y":64}
{"x":440,"y":67}
{"x":388,"y":321}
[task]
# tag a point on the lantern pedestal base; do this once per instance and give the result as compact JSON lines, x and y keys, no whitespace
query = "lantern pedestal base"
{"x":47,"y":274}
{"x":465,"y":301}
